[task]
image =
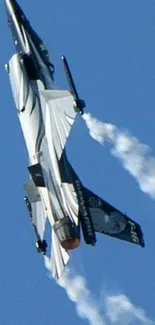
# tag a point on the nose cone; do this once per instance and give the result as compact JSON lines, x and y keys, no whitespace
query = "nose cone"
{"x":17,"y":21}
{"x":16,"y":16}
{"x":26,"y":40}
{"x":14,"y":10}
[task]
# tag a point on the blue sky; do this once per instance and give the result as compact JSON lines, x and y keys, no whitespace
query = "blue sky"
{"x":111,"y":51}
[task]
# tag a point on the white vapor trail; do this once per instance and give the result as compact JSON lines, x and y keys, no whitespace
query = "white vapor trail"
{"x":118,"y":309}
{"x":121,"y":311}
{"x":76,"y":289}
{"x":134,"y":156}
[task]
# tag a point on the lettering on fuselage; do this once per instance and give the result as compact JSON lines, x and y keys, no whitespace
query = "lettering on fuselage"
{"x":85,"y":215}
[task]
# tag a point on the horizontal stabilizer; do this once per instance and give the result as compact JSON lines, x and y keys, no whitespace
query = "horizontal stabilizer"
{"x":54,"y":94}
{"x":59,"y":257}
{"x":39,"y":218}
{"x":110,"y":221}
{"x":32,"y":191}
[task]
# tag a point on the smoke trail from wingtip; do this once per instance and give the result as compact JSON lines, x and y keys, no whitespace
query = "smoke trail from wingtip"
{"x":76,"y":289}
{"x":118,"y":309}
{"x":134,"y":156}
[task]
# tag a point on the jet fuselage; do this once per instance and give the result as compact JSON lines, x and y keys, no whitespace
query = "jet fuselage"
{"x":31,"y":73}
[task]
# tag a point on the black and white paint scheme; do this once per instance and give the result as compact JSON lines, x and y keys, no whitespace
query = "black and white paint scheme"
{"x":46,"y":114}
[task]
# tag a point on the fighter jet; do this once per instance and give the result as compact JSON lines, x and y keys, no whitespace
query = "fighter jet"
{"x":54,"y":192}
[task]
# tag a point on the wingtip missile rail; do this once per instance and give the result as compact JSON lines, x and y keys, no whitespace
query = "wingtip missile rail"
{"x":78,"y":103}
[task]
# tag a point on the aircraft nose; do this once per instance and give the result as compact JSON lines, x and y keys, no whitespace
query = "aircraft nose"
{"x":10,"y":6}
{"x":16,"y":19}
{"x":13,"y":9}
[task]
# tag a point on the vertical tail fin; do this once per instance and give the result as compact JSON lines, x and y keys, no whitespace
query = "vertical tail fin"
{"x":112,"y":222}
